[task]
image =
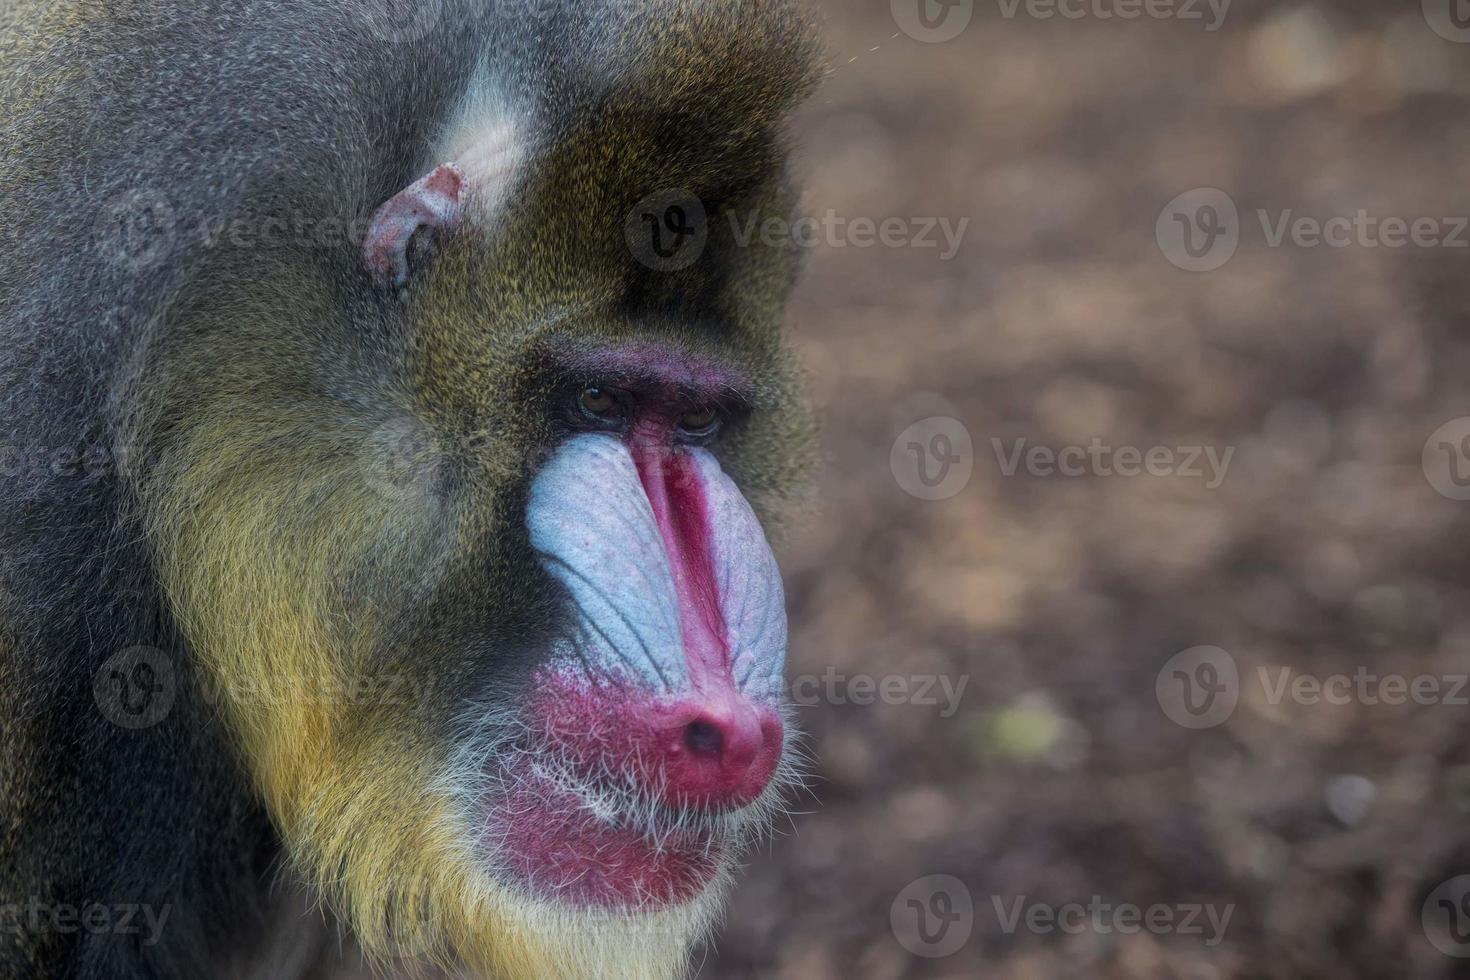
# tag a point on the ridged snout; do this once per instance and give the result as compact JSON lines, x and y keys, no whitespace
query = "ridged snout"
{"x":672,"y":660}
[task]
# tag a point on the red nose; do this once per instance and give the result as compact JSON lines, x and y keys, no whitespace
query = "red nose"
{"x":722,"y":756}
{"x":710,"y":749}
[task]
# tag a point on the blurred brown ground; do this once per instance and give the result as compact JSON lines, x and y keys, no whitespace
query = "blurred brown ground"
{"x":1324,"y":550}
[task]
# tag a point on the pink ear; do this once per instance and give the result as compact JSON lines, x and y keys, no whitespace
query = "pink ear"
{"x":432,"y":201}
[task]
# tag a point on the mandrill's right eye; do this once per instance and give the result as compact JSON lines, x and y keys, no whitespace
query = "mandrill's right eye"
{"x":604,"y":407}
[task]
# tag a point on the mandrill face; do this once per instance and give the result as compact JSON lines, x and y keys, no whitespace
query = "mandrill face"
{"x":649,"y":746}
{"x":656,"y":730}
{"x":496,"y":540}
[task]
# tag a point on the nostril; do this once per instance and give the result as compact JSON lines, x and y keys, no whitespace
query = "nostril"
{"x":704,"y":738}
{"x":720,"y":754}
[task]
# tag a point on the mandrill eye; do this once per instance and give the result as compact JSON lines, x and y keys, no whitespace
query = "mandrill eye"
{"x":604,"y":406}
{"x":701,"y":423}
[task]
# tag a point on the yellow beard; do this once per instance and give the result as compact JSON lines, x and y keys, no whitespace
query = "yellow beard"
{"x":360,"y":795}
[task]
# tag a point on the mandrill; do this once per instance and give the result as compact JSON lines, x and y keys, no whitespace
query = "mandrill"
{"x":392,"y":425}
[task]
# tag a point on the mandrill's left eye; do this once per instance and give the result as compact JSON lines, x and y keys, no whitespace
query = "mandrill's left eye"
{"x":605,"y":407}
{"x":700,"y":423}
